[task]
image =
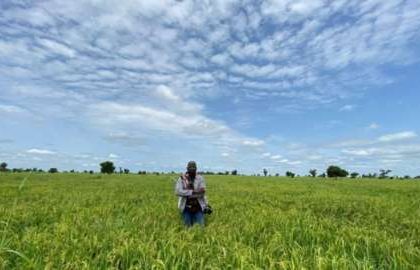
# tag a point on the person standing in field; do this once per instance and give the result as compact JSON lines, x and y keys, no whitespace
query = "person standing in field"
{"x":191,"y":189}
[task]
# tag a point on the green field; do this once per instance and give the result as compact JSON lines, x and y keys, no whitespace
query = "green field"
{"x":81,"y":221}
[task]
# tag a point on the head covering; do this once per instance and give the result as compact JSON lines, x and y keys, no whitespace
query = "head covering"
{"x":192,"y":165}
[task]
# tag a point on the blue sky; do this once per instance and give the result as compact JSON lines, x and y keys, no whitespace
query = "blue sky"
{"x":285,"y":85}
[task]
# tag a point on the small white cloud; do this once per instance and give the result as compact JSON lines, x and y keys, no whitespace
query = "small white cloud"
{"x":398,"y":136}
{"x":225,"y":154}
{"x":294,"y":163}
{"x":40,"y":151}
{"x":166,"y":93}
{"x":57,"y":48}
{"x":11,"y":109}
{"x":314,"y":157}
{"x":357,"y":152}
{"x":83,"y":156}
{"x":253,"y":142}
{"x":266,"y":155}
{"x":275,"y":157}
{"x":374,"y":126}
{"x":89,"y":164}
{"x":113,"y":156}
{"x":390,"y":161}
{"x":347,"y":108}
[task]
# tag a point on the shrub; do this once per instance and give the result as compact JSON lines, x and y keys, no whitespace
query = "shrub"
{"x":335,"y":171}
{"x":53,"y":170}
{"x":290,"y":174}
{"x":107,"y":167}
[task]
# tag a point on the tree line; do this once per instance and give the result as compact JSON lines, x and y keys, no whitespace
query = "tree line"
{"x":108,"y":167}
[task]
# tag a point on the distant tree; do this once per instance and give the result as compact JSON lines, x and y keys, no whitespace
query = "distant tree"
{"x":91,"y":172}
{"x":322,"y":175}
{"x":417,"y":177}
{"x":3,"y":167}
{"x":312,"y":172}
{"x":384,"y":173}
{"x":234,"y":172}
{"x":71,"y":171}
{"x":226,"y":172}
{"x":407,"y":177}
{"x":265,"y":172}
{"x":126,"y":171}
{"x":107,"y":167}
{"x":277,"y":174}
{"x":40,"y":170}
{"x":354,"y":175}
{"x":53,"y":170}
{"x":335,"y":171}
{"x":369,"y":175}
{"x":290,"y":174}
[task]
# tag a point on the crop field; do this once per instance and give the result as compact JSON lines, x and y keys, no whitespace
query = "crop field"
{"x":82,"y":221}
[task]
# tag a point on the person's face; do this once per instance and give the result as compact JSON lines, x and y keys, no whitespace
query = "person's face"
{"x":192,"y":169}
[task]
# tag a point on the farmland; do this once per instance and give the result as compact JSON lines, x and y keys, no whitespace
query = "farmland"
{"x":82,"y":221}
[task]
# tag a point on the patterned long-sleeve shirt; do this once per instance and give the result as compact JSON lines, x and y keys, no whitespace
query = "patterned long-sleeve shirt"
{"x":183,"y":192}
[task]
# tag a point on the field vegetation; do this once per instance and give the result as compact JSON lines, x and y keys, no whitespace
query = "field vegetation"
{"x":127,"y":221}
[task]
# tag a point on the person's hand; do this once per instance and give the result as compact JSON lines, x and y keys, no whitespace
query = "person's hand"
{"x":199,"y":192}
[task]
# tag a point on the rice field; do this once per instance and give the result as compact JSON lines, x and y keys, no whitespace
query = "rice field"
{"x":82,"y":221}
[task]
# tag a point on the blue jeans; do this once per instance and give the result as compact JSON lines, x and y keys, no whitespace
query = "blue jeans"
{"x":190,"y":218}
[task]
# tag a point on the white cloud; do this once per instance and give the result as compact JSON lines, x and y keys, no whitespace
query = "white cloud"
{"x":113,"y":156}
{"x":358,"y":152}
{"x":374,"y":126}
{"x":149,"y":118}
{"x":347,"y":108}
{"x":398,"y":136}
{"x":182,"y":119}
{"x":57,"y":48}
{"x":267,"y":154}
{"x":166,"y":93}
{"x":11,"y":109}
{"x":294,"y":163}
{"x":253,"y":142}
{"x":40,"y":151}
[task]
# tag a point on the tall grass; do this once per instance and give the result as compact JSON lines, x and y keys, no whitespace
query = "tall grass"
{"x":5,"y":241}
{"x":131,"y":222}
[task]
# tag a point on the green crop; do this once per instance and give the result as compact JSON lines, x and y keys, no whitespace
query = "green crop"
{"x":81,"y":221}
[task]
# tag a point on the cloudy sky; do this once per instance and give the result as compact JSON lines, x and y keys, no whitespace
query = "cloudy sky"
{"x":281,"y":84}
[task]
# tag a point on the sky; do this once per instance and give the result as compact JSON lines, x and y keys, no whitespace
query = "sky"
{"x":246,"y":85}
